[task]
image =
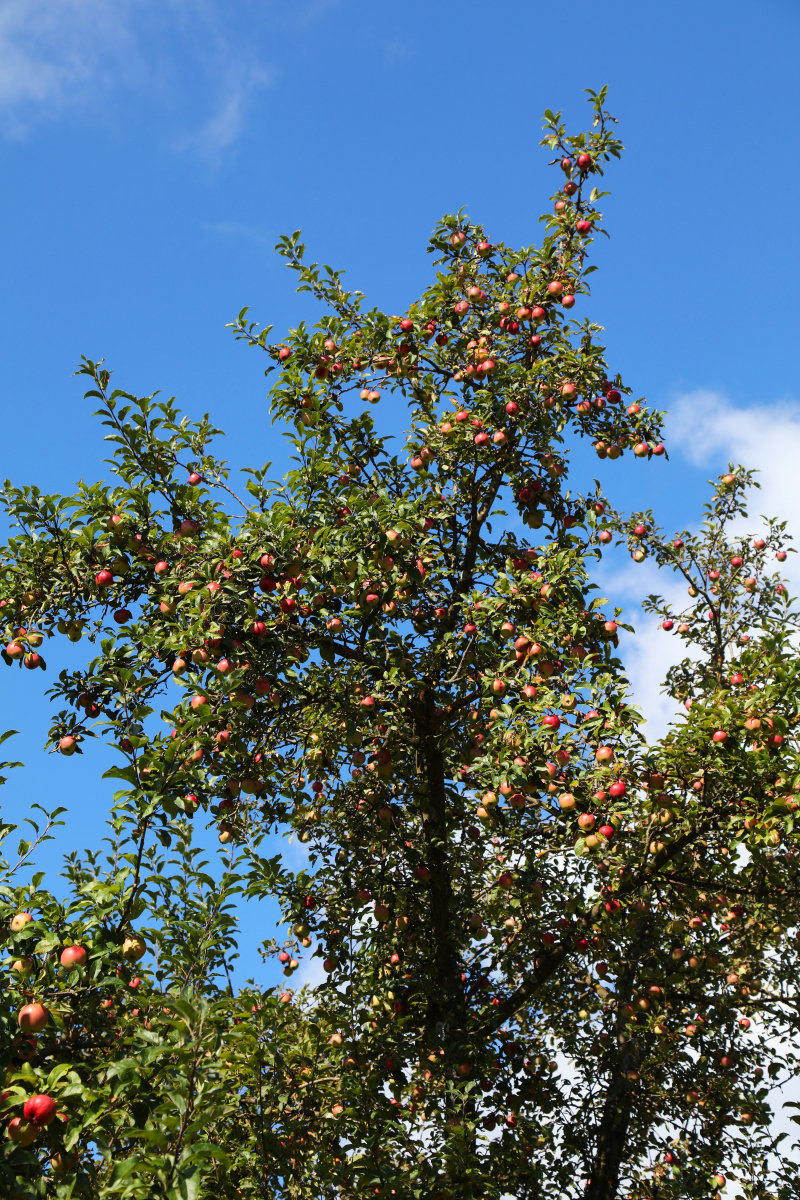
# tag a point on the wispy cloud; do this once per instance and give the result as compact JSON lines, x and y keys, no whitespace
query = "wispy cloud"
{"x":233,"y":229}
{"x":226,"y":123}
{"x":51,"y":51}
{"x":62,"y":56}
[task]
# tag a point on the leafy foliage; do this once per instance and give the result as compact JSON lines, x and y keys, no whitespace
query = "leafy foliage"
{"x":554,"y":951}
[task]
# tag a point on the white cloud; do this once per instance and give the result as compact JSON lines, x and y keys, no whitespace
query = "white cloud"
{"x":651,"y":651}
{"x":710,"y":432}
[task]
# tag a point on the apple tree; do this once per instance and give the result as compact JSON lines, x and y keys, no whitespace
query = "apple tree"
{"x":555,"y":953}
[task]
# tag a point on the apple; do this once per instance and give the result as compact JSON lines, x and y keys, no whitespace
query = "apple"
{"x":61,"y":1162}
{"x":19,"y":921}
{"x":73,"y":956}
{"x":32,"y":1018}
{"x":134,"y":947}
{"x":40,"y":1109}
{"x":122,"y":616}
{"x":21,"y":1131}
{"x":23,"y":966}
{"x":720,"y":736}
{"x":103,"y":579}
{"x":604,"y":754}
{"x":667,"y":625}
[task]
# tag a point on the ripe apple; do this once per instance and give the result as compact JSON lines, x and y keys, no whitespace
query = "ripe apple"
{"x":21,"y":1131}
{"x":19,"y":921}
{"x":40,"y":1109}
{"x":134,"y":947}
{"x":73,"y":956}
{"x":61,"y":1162}
{"x":33,"y":1018}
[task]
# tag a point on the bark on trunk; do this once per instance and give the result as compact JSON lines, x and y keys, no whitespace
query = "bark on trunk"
{"x":446,"y":1002}
{"x":611,"y":1140}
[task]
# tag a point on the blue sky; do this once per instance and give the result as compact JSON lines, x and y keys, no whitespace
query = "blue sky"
{"x":151,"y":153}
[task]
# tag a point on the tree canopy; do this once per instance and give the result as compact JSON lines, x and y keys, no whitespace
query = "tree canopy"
{"x":556,"y":952}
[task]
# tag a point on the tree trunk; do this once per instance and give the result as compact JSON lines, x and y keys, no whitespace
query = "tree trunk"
{"x":445,"y":1004}
{"x":611,"y":1139}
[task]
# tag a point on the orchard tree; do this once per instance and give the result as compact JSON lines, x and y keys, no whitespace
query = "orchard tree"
{"x":555,"y":953}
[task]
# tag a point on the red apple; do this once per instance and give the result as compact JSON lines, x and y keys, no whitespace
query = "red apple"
{"x":33,"y":1018}
{"x":40,"y":1109}
{"x":21,"y":1131}
{"x":73,"y":956}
